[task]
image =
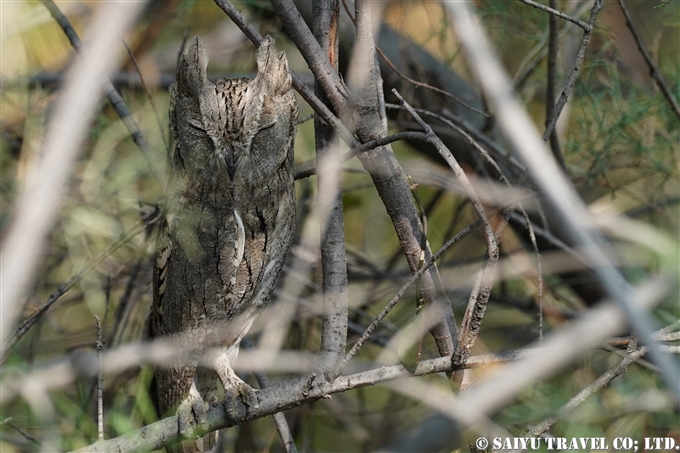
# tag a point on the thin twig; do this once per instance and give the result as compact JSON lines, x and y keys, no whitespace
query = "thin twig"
{"x":314,"y":102}
{"x":569,"y":85}
{"x":66,"y":286}
{"x":100,"y":380}
{"x":558,"y":192}
{"x":279,"y":419}
{"x":653,"y":70}
{"x":551,"y":84}
{"x":590,"y":390}
{"x":23,"y":433}
{"x":428,"y":86}
{"x":459,"y":125}
{"x":308,"y":169}
{"x":112,"y":94}
{"x":413,"y":81}
{"x":458,"y":171}
{"x":535,"y":56}
{"x":148,"y":95}
{"x":586,"y":27}
{"x":390,"y":305}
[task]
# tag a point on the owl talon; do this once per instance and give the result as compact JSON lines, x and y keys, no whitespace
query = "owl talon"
{"x":246,"y":393}
{"x":192,"y":413}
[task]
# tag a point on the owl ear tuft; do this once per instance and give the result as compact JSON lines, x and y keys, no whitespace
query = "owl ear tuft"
{"x":272,"y":68}
{"x":192,"y":71}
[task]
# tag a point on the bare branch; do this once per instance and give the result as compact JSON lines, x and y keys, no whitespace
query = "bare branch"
{"x":286,"y":395}
{"x":333,"y":263}
{"x":551,"y":10}
{"x":65,"y":287}
{"x":653,"y":70}
{"x":590,"y":390}
{"x":309,"y":168}
{"x":148,"y":96}
{"x":569,"y":85}
{"x":38,"y":206}
{"x":561,"y":195}
{"x":298,"y":84}
{"x":324,"y":72}
{"x":480,"y":294}
{"x":112,"y":94}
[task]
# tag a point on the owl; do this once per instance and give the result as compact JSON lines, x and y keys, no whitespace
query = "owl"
{"x":228,"y":223}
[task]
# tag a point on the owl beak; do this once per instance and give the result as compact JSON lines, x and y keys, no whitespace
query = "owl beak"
{"x":230,"y":163}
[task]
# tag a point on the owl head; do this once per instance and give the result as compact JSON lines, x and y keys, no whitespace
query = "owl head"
{"x":240,"y":129}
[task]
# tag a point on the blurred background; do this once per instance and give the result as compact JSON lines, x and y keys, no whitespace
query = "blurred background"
{"x":621,"y":146}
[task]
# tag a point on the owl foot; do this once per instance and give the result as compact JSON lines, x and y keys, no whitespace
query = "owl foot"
{"x":192,"y":413}
{"x":239,"y":390}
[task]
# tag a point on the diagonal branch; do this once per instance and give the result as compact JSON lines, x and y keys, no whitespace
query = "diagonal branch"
{"x":318,"y":106}
{"x":569,"y":85}
{"x":286,"y":395}
{"x":559,"y":193}
{"x":37,"y":208}
{"x":653,"y":70}
{"x":112,"y":94}
{"x":600,"y":382}
{"x":29,"y":322}
{"x":588,"y":28}
{"x":482,"y":289}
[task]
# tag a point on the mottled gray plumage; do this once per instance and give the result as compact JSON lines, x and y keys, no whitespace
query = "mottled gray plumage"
{"x":229,"y":222}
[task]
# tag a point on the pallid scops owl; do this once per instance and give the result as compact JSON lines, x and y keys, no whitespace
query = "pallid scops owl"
{"x":228,"y":224}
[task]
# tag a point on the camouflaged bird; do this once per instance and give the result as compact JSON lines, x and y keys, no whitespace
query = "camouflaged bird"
{"x":228,"y":224}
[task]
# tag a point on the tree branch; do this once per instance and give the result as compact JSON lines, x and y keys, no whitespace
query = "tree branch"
{"x":323,"y":111}
{"x":569,"y":85}
{"x":559,"y":193}
{"x":333,"y":263}
{"x":283,"y":396}
{"x":551,"y":10}
{"x":590,"y":390}
{"x":37,"y":207}
{"x":112,"y":94}
{"x":653,"y":70}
